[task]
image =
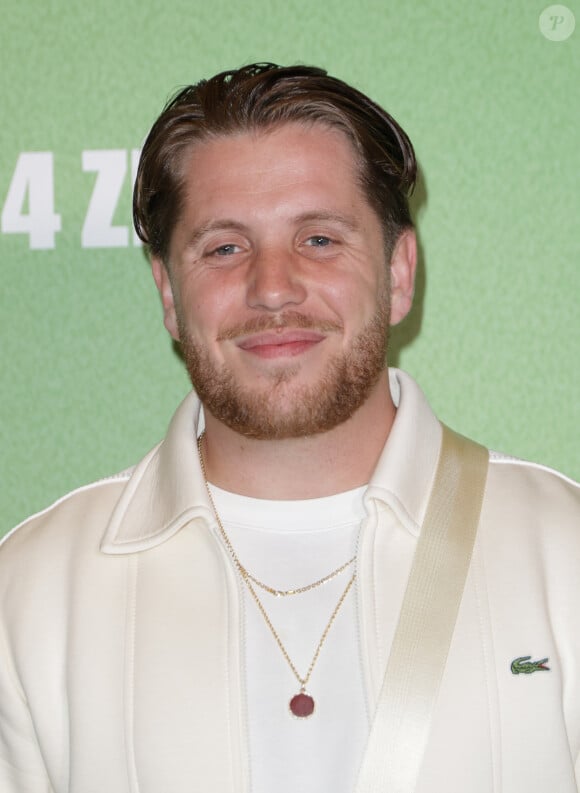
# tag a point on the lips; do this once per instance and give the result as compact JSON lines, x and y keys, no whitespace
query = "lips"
{"x":280,"y":343}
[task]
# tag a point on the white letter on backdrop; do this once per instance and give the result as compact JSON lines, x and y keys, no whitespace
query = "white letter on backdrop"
{"x":98,"y":230}
{"x":33,"y":175}
{"x":135,"y":155}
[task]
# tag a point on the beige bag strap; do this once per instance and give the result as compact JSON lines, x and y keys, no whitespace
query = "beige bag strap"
{"x":402,"y":720}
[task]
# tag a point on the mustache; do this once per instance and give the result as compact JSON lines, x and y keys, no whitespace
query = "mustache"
{"x":286,"y":319}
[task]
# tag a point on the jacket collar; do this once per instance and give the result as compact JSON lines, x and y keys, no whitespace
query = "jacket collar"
{"x":166,"y":489}
{"x":405,"y":472}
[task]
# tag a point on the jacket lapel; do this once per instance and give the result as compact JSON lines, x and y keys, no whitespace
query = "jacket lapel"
{"x":184,"y":714}
{"x":184,"y":709}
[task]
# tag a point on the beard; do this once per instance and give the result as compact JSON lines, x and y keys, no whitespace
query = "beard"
{"x":276,"y":410}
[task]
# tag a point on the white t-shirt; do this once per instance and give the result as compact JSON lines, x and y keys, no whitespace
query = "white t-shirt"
{"x":288,"y":544}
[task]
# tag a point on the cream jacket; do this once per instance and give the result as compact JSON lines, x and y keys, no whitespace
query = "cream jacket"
{"x":121,"y":636}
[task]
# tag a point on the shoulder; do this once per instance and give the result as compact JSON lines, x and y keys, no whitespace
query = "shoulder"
{"x":532,"y":504}
{"x":78,"y":516}
{"x":532,"y":481}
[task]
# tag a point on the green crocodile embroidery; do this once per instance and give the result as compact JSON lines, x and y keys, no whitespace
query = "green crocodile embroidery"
{"x":523,"y":665}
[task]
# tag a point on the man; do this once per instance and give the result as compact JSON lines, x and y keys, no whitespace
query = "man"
{"x":286,"y":594}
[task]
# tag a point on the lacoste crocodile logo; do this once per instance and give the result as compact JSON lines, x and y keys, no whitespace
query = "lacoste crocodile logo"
{"x":523,"y":665}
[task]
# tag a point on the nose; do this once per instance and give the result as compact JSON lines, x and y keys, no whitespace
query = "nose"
{"x":275,"y":280}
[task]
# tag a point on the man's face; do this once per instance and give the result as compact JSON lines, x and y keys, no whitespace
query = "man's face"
{"x":277,"y":285}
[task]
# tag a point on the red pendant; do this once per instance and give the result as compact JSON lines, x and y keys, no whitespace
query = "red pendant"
{"x":302,"y":705}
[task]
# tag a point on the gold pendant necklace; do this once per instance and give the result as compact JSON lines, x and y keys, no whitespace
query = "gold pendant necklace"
{"x":302,"y":704}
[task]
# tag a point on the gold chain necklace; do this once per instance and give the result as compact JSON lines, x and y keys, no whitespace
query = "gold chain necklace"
{"x":302,"y":704}
{"x":246,"y":575}
{"x":299,"y":590}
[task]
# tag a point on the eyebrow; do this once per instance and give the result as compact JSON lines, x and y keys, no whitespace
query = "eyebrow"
{"x":215,"y":225}
{"x":336,"y":217}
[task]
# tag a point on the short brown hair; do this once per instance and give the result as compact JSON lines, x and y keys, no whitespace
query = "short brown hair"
{"x":261,"y":96}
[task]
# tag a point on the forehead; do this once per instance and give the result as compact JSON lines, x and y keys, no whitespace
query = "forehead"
{"x":311,"y":157}
{"x":293,"y":137}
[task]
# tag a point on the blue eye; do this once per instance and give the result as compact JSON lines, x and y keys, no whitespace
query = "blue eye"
{"x":319,"y":241}
{"x":225,"y":250}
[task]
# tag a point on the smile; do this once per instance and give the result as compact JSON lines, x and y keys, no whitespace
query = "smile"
{"x":281,"y":343}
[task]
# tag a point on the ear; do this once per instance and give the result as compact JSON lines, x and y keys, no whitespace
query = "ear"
{"x":163,"y":283}
{"x":403,"y":267}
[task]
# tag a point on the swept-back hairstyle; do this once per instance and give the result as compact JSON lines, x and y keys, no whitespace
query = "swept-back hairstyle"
{"x":261,"y":96}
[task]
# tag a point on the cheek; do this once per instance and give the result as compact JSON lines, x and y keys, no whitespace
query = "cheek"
{"x":205,"y":305}
{"x":358,"y":296}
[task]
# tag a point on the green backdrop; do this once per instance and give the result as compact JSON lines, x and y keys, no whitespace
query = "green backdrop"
{"x":490,"y":98}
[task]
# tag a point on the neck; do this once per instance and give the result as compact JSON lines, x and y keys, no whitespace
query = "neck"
{"x":307,"y":467}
